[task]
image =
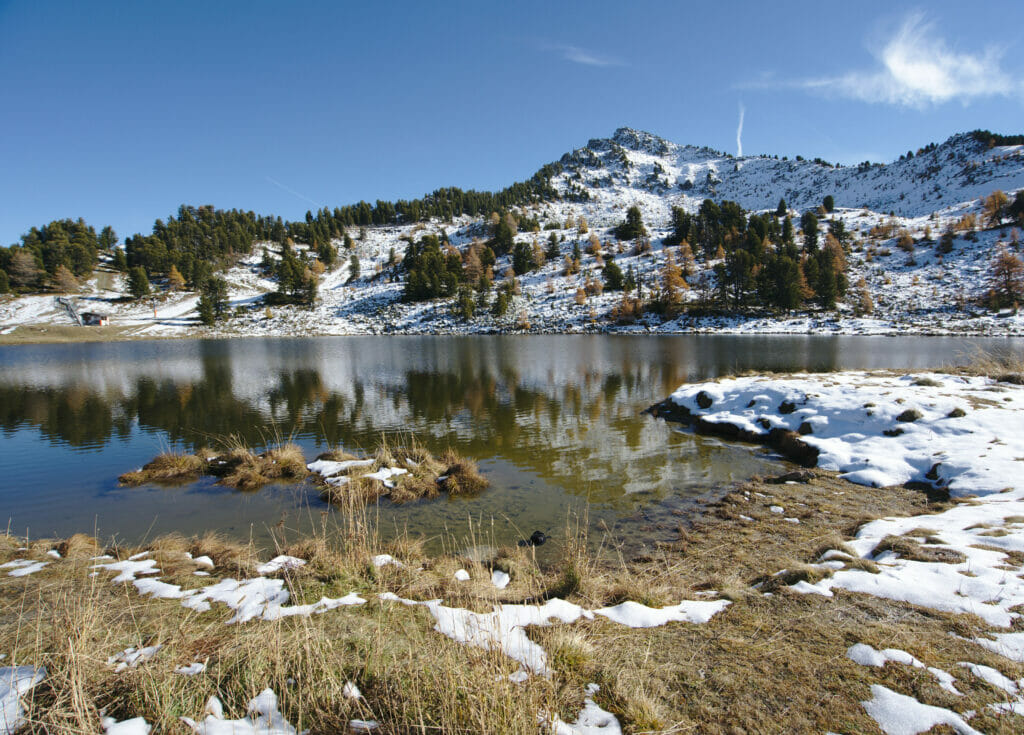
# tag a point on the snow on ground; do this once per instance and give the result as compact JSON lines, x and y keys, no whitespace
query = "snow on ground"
{"x":898,"y":714}
{"x":924,"y":291}
{"x":882,"y":430}
{"x":131,"y":657}
{"x":15,"y":682}
{"x":959,"y":433}
{"x":263,"y":718}
{"x":504,"y":628}
{"x":592,"y":719}
{"x":134,"y":726}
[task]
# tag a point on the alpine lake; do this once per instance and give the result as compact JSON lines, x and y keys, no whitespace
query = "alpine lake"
{"x":556,"y":424}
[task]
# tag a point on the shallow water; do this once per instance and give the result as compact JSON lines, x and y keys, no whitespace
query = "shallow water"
{"x":554,"y":421}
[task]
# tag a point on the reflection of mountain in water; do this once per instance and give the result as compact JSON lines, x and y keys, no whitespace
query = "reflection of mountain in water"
{"x":565,"y":408}
{"x":573,"y":419}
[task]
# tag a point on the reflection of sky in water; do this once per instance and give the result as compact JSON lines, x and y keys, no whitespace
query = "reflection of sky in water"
{"x":554,"y":420}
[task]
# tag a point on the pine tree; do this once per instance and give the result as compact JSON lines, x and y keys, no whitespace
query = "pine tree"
{"x":465,"y":305}
{"x":828,"y":203}
{"x":613,"y":278}
{"x":138,"y":282}
{"x":780,"y":211}
{"x":108,"y":238}
{"x":213,"y":301}
{"x":120,"y":260}
{"x":553,"y":251}
{"x":353,"y":268}
{"x":633,"y":226}
{"x":809,"y":224}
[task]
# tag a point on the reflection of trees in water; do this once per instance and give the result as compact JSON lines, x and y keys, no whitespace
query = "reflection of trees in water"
{"x":560,"y":426}
{"x":75,"y":416}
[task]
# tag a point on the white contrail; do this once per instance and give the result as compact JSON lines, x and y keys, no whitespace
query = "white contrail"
{"x":739,"y":133}
{"x":294,"y":193}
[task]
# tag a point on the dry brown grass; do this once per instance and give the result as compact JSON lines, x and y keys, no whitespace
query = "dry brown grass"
{"x":766,"y":664}
{"x":425,"y":477}
{"x":169,"y":467}
{"x":1006,"y":365}
{"x":245,"y":470}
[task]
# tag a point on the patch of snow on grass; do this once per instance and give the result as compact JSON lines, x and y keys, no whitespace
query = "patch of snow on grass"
{"x":280,"y":562}
{"x":592,"y":719}
{"x":134,"y":726}
{"x":131,"y":657}
{"x":23,"y":567}
{"x":635,"y":615}
{"x":898,"y":714}
{"x":15,"y":682}
{"x":264,"y":718}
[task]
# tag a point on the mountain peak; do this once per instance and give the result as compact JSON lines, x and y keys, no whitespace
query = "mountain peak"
{"x":640,"y":140}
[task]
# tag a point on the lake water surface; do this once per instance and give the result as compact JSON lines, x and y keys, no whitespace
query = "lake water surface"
{"x":555,"y":422}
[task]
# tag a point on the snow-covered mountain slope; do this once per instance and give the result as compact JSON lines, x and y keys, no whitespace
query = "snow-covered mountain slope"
{"x":640,"y":167}
{"x":921,"y":289}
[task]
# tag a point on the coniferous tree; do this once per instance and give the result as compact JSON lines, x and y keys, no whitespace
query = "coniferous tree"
{"x":633,"y":226}
{"x":553,"y":251}
{"x":613,"y":277}
{"x":522,"y":258}
{"x":502,"y":242}
{"x":108,"y":238}
{"x":672,"y":286}
{"x":213,"y":301}
{"x":138,"y":282}
{"x":780,"y":211}
{"x":1006,"y":278}
{"x":809,"y":224}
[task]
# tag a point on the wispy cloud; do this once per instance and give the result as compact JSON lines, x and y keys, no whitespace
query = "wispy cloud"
{"x":916,"y":68}
{"x":579,"y":55}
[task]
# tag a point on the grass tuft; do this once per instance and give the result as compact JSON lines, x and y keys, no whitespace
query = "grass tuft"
{"x":169,"y":467}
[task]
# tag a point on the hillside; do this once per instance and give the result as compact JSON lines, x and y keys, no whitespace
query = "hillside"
{"x":924,"y":287}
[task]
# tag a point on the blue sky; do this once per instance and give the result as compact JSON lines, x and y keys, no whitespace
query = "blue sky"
{"x":119,"y":112}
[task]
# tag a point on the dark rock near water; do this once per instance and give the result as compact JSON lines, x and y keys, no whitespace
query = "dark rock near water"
{"x":537,"y":538}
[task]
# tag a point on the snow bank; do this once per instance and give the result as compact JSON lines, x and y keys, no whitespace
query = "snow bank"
{"x":882,"y":430}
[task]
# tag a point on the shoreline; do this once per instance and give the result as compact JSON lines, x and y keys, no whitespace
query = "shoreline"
{"x":37,"y":334}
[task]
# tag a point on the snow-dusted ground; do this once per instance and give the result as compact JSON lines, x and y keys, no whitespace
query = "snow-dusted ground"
{"x":924,"y":292}
{"x":266,"y":598}
{"x":955,"y":432}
